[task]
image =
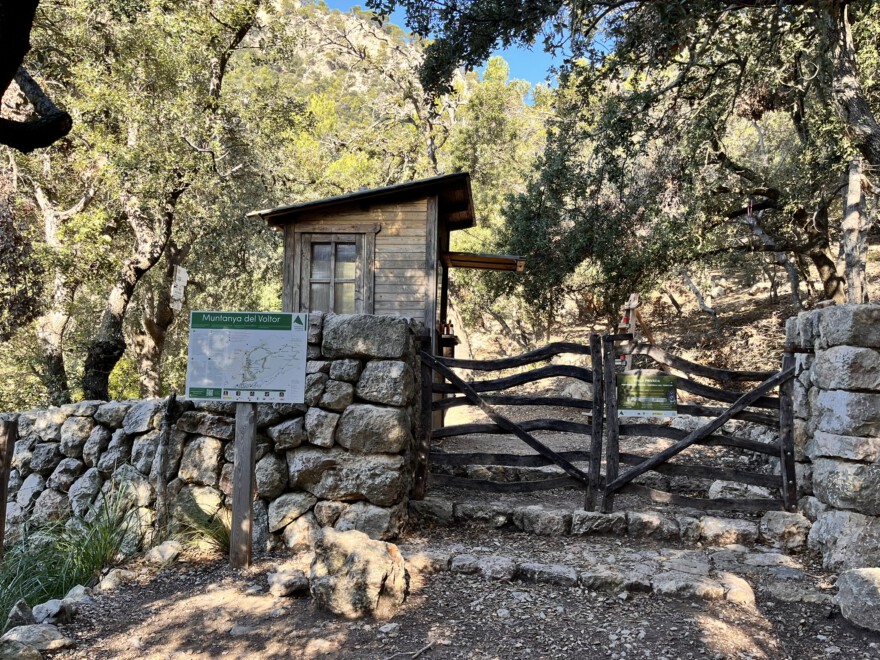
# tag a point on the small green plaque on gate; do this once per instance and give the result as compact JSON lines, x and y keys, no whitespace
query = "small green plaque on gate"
{"x":646,"y":394}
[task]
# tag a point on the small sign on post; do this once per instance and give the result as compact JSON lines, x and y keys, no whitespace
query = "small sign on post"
{"x":646,"y":393}
{"x":252,"y":358}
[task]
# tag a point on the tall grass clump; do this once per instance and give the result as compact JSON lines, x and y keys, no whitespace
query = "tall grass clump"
{"x":48,"y":561}
{"x":211,"y":530}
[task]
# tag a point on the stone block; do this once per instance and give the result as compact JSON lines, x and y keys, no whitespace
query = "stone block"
{"x":848,"y":485}
{"x":852,"y":325}
{"x":74,"y":433}
{"x":289,"y":434}
{"x":847,"y":368}
{"x":201,"y":461}
{"x":96,"y":443}
{"x":593,"y":522}
{"x":300,"y":535}
{"x":849,"y":447}
{"x":369,"y":429}
{"x":65,"y":474}
{"x":546,"y":522}
{"x":287,"y":508}
{"x":784,"y":529}
{"x":651,"y":525}
{"x":387,"y":381}
{"x":347,"y":370}
{"x":112,"y":413}
{"x":365,"y":336}
{"x":321,"y":426}
{"x":143,"y":416}
{"x":848,"y":413}
{"x":203,"y":423}
{"x":724,"y":531}
{"x":337,"y":395}
{"x":335,"y":474}
{"x":271,"y":476}
{"x":377,"y":522}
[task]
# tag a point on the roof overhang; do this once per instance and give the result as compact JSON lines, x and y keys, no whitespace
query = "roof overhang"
{"x":453,"y":192}
{"x":483,"y":261}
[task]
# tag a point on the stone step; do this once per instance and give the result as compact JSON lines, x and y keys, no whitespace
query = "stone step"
{"x":776,"y":528}
{"x":732,"y":573}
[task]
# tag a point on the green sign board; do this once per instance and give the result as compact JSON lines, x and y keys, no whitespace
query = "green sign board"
{"x":257,"y":357}
{"x":646,"y":395}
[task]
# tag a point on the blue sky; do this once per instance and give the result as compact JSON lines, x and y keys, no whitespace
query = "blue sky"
{"x":531,"y":65}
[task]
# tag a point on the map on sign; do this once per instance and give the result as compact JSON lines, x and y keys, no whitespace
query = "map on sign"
{"x":257,"y":357}
{"x":641,"y":394}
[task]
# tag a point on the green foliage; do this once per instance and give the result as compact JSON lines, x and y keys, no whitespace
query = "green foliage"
{"x":49,"y":561}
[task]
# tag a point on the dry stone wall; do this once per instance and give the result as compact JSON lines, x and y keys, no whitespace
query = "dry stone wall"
{"x":344,"y":458}
{"x":837,"y":430}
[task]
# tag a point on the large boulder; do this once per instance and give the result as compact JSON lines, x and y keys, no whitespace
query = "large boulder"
{"x":859,"y":597}
{"x":334,"y":474}
{"x":784,"y":529}
{"x":846,"y":539}
{"x":353,"y":575}
{"x":387,"y":381}
{"x":365,"y":337}
{"x":369,"y":429}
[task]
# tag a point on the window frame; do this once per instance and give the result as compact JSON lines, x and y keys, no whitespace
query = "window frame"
{"x":364,"y":239}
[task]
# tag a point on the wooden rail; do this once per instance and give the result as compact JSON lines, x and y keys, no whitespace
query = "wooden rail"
{"x":532,"y":376}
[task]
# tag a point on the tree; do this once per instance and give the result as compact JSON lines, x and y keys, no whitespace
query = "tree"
{"x":664,"y":87}
{"x":16,"y":21}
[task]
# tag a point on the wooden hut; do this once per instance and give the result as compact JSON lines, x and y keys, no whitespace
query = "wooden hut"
{"x":383,"y":251}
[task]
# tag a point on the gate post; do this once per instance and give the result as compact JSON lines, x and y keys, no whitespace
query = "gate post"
{"x":426,"y":419}
{"x":786,"y":436}
{"x":612,"y":447}
{"x":8,"y":436}
{"x":598,"y":418}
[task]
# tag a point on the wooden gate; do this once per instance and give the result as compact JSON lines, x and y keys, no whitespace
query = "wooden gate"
{"x":753,"y":406}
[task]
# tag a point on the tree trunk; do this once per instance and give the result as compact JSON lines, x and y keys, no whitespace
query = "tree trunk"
{"x":854,"y":237}
{"x":847,"y":92}
{"x":832,"y":283}
{"x":105,"y":351}
{"x":148,"y":342}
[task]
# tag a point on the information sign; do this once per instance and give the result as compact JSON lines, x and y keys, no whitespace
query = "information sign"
{"x":255,"y":357}
{"x":646,"y":395}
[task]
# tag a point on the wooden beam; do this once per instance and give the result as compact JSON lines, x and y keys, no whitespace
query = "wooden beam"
{"x":241,"y":542}
{"x":597,"y":423}
{"x":612,"y":439}
{"x":786,"y":437}
{"x":8,"y":436}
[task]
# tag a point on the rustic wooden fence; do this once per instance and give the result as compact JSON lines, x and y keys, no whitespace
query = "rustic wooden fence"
{"x":471,"y":393}
{"x":754,"y":405}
